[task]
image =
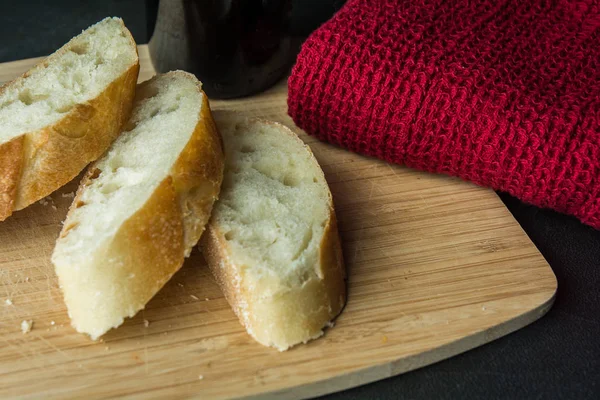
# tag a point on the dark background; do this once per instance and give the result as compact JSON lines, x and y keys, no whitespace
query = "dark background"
{"x":555,"y":357}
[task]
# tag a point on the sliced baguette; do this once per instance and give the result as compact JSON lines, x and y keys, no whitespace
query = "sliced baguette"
{"x":272,"y":241}
{"x":141,"y":207}
{"x":64,"y":113}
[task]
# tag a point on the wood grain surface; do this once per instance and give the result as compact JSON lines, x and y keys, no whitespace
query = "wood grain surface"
{"x":436,"y":266}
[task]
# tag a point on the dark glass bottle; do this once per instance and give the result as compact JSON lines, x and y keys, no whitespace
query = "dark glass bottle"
{"x":235,"y":47}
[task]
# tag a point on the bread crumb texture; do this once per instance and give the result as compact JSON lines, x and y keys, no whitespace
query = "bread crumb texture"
{"x":274,"y":203}
{"x":135,"y":165}
{"x":124,"y":236}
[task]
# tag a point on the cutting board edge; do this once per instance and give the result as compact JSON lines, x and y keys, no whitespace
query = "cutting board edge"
{"x":403,"y":365}
{"x":400,"y":365}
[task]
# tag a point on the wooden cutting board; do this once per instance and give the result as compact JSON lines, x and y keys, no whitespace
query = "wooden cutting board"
{"x":436,"y":266}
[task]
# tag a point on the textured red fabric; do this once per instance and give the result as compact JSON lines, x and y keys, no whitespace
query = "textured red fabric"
{"x":505,"y":94}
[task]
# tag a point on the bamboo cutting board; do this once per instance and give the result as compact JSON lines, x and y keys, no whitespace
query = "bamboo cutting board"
{"x":436,"y":266}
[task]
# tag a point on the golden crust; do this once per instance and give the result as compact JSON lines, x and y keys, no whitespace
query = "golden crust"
{"x":294,"y":314}
{"x":198,"y":174}
{"x":11,"y":160}
{"x":55,"y":154}
{"x":142,"y":256}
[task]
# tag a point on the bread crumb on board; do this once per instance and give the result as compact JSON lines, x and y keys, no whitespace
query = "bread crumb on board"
{"x":194,"y":297}
{"x":200,"y":377}
{"x":146,"y":323}
{"x":47,"y":200}
{"x":26,"y":326}
{"x":8,"y":302}
{"x":68,"y":195}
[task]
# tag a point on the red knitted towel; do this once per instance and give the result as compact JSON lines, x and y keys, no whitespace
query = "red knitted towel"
{"x":502,"y":93}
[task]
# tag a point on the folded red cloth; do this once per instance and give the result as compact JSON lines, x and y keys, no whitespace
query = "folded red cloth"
{"x":505,"y":94}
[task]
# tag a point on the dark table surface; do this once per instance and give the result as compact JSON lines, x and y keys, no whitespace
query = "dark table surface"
{"x":556,"y":357}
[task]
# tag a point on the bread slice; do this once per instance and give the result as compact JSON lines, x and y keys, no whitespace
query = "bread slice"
{"x":272,"y":241}
{"x":64,"y":113}
{"x":142,"y":207}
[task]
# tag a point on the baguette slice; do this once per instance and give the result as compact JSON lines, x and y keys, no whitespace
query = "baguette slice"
{"x":64,"y":113}
{"x":272,"y":241}
{"x":142,"y":207}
